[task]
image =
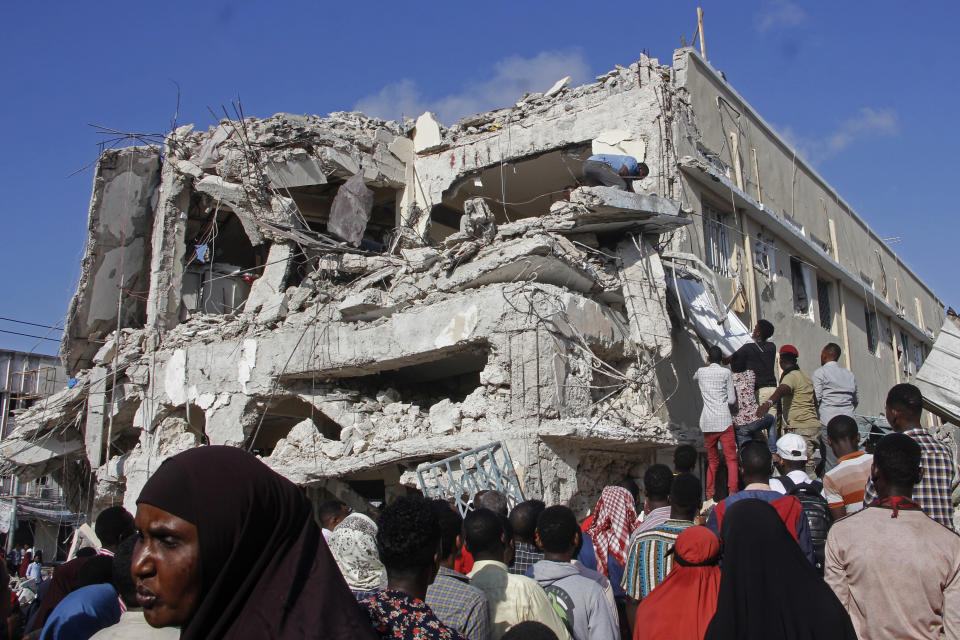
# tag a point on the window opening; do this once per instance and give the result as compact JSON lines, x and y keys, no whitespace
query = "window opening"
{"x":823,"y":298}
{"x":800,"y":277}
{"x":716,"y":240}
{"x":871,"y":321}
{"x":764,"y":255}
{"x":904,"y":354}
{"x":918,"y":356}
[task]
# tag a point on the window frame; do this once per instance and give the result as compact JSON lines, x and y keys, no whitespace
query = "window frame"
{"x":716,"y":239}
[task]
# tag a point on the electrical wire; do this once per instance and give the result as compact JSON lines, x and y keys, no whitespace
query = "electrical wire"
{"x":27,"y":335}
{"x":32,"y":324}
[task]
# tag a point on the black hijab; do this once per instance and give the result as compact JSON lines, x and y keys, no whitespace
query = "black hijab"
{"x":266,"y":571}
{"x":768,"y":588}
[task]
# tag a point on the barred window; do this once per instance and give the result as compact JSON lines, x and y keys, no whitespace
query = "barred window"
{"x":716,"y":240}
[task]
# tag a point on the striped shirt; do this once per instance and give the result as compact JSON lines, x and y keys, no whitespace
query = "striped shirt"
{"x":647,"y":562}
{"x":932,"y":493}
{"x":844,"y":485}
{"x":652,"y":520}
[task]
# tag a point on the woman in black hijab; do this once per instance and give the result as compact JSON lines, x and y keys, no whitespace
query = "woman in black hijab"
{"x":768,"y":588}
{"x":228,"y":548}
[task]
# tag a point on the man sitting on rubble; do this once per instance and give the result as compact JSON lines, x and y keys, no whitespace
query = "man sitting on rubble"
{"x":611,"y":170}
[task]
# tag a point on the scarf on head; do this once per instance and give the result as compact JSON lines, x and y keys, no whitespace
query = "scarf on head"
{"x":682,"y":605}
{"x":768,"y":588}
{"x":265,"y":569}
{"x":354,"y":547}
{"x":614,"y":519}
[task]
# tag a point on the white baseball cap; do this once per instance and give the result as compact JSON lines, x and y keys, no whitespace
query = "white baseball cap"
{"x":792,"y":447}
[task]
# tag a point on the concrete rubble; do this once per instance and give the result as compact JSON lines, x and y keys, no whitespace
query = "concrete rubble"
{"x":428,"y":318}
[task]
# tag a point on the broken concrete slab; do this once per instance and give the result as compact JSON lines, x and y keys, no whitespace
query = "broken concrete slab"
{"x":351,"y":210}
{"x":426,"y":135}
{"x":444,"y":417}
{"x":296,"y":172}
{"x":420,"y":259}
{"x":557,"y":87}
{"x":608,"y":209}
{"x":274,"y":276}
{"x":366,"y":305}
{"x":535,"y":259}
{"x":274,"y":309}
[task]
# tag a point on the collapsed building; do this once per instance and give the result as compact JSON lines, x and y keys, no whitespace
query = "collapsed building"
{"x":350,"y":297}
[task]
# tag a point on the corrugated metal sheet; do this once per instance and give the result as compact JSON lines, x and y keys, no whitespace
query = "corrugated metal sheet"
{"x":939,"y":377}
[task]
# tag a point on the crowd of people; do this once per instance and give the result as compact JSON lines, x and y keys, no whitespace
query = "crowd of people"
{"x":224,"y":547}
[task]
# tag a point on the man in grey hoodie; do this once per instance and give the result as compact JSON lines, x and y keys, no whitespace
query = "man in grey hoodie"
{"x":578,"y":600}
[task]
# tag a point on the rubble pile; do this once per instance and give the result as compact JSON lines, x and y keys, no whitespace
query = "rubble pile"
{"x":304,"y":304}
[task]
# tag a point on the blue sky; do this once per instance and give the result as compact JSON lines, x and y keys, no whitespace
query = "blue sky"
{"x":868,"y":94}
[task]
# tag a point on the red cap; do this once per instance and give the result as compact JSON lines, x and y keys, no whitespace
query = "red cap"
{"x":789,"y":348}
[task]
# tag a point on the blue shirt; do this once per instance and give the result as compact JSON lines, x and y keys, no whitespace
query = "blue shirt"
{"x":82,"y":613}
{"x":618,"y":162}
{"x":588,"y":556}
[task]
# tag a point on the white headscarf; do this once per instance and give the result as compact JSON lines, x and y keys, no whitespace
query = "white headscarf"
{"x":354,"y":547}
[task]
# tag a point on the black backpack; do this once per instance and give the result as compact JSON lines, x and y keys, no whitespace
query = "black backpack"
{"x":817,"y":511}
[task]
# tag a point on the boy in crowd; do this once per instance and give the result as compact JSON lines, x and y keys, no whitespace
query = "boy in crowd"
{"x":579,"y":600}
{"x":408,"y":542}
{"x":458,"y":604}
{"x":843,"y":486}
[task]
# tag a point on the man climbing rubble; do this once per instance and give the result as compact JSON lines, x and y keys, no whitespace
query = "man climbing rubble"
{"x":611,"y":170}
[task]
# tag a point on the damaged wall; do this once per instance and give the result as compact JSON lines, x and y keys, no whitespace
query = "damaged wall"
{"x":117,"y":255}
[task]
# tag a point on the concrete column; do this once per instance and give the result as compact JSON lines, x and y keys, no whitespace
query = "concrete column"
{"x":844,"y":333}
{"x":645,"y":295}
{"x":168,"y":248}
{"x":750,"y":277}
{"x":96,"y":416}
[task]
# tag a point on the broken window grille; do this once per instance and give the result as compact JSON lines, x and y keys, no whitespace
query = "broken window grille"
{"x":823,"y":297}
{"x":872,"y":330}
{"x":716,"y":240}
{"x":917,"y":356}
{"x":764,"y":256}
{"x":460,"y":477}
{"x":904,"y":353}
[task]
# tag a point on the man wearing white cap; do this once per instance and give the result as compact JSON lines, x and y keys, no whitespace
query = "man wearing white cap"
{"x":790,"y":458}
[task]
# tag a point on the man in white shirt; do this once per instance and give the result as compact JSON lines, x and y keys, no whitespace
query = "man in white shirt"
{"x":716,"y":421}
{"x":513,"y":598}
{"x":836,"y":391}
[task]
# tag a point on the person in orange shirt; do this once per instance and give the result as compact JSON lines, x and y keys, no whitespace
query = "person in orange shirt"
{"x":843,"y":486}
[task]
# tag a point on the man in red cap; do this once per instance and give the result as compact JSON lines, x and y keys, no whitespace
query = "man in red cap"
{"x":799,"y":403}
